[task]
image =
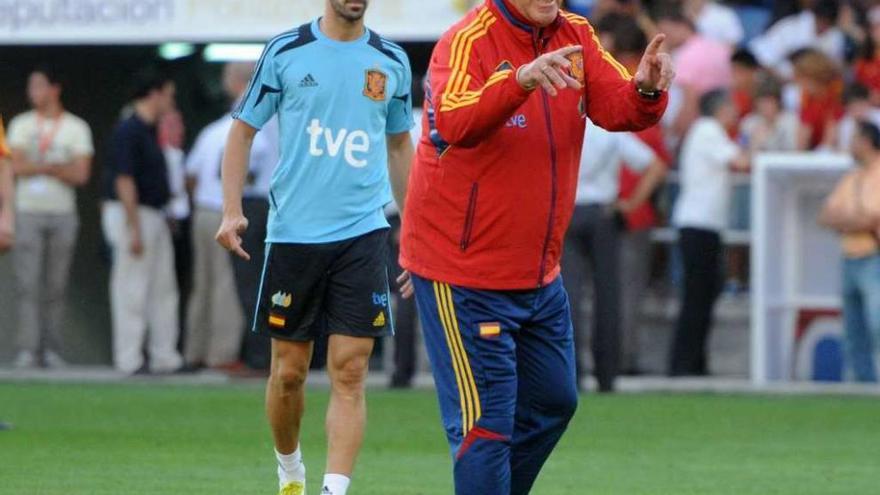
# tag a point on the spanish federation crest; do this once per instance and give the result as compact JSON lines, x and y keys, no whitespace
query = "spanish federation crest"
{"x":577,"y":66}
{"x":282,"y":299}
{"x":374,"y":88}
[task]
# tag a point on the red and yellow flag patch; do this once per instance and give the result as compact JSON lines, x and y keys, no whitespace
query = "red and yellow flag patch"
{"x":490,"y":330}
{"x":277,"y":321}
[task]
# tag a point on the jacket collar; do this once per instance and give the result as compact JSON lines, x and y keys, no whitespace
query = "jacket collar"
{"x":520,"y":24}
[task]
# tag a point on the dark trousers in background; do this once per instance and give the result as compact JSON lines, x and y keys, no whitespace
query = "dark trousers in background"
{"x":703,"y":281}
{"x":181,"y":237}
{"x":256,"y":352}
{"x":593,"y":246}
{"x":635,"y":274}
{"x":405,"y":317}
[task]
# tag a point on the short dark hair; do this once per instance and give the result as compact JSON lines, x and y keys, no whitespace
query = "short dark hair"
{"x":871,"y":133}
{"x":745,"y":58}
{"x":769,"y":87}
{"x":855,"y":92}
{"x":609,"y":22}
{"x":49,"y":72}
{"x":827,"y":9}
{"x":148,"y":80}
{"x":712,"y":101}
{"x":673,"y":12}
{"x":628,"y":35}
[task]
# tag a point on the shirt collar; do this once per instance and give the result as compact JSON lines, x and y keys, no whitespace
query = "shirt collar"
{"x":522,"y":25}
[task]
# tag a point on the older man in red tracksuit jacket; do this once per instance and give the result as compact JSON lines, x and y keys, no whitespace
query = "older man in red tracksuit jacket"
{"x":490,"y":198}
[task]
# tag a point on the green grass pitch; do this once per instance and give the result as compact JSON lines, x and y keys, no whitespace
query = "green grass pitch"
{"x":169,"y":440}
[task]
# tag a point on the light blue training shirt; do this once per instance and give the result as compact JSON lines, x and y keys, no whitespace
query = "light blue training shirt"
{"x":336,"y":102}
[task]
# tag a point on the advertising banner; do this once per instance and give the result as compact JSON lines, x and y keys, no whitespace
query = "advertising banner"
{"x":36,"y":22}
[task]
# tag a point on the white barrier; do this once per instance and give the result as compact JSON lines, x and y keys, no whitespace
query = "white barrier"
{"x":795,"y":263}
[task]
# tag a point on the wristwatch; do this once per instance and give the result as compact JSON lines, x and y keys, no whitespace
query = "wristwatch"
{"x":649,"y":95}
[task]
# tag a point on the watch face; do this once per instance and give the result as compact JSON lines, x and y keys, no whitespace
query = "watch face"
{"x":652,"y":95}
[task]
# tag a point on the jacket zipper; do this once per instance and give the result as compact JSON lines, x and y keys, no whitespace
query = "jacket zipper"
{"x":469,"y":217}
{"x":553,"y":166}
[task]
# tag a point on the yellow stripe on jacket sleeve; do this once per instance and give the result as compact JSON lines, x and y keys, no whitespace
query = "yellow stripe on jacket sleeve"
{"x":452,"y":102}
{"x":607,"y":57}
{"x":459,"y":80}
{"x":461,"y":44}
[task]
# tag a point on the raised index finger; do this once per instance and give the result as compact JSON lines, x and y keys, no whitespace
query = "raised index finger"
{"x":568,"y":50}
{"x":656,"y":43}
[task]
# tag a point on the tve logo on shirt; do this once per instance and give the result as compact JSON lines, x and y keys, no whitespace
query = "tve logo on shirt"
{"x":326,"y":140}
{"x":518,"y":121}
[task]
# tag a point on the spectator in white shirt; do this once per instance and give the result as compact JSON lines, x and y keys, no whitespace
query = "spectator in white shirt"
{"x":857,"y":100}
{"x":701,"y":214}
{"x":716,"y":21}
{"x":814,"y":27}
{"x":52,"y":155}
{"x":215,"y":319}
{"x":172,"y":134}
{"x":770,"y":127}
{"x":593,"y":242}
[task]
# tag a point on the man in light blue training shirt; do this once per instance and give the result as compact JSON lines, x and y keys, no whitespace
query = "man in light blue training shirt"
{"x":342,"y":96}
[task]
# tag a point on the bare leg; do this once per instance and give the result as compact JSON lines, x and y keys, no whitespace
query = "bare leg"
{"x":347,"y":363}
{"x":285,"y":392}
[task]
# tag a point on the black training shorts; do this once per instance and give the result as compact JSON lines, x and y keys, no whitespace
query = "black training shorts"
{"x":337,"y":288}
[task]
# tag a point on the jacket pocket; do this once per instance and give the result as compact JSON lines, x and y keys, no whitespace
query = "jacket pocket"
{"x":469,"y":217}
{"x":272,"y":199}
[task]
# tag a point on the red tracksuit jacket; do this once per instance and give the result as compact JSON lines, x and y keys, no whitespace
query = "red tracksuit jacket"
{"x":492,"y":188}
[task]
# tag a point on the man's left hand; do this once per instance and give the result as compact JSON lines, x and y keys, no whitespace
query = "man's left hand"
{"x":407,"y":289}
{"x":655,"y":70}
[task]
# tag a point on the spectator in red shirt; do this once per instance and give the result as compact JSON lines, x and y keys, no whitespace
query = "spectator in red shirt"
{"x":821,"y":95}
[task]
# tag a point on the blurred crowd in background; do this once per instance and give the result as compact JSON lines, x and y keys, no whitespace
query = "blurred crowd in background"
{"x":752,"y":77}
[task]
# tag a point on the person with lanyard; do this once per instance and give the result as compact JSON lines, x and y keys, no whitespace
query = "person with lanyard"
{"x":51,"y":155}
{"x":7,"y":217}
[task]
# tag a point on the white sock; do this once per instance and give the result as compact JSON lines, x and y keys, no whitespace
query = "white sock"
{"x":290,"y":467}
{"x":335,"y":484}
